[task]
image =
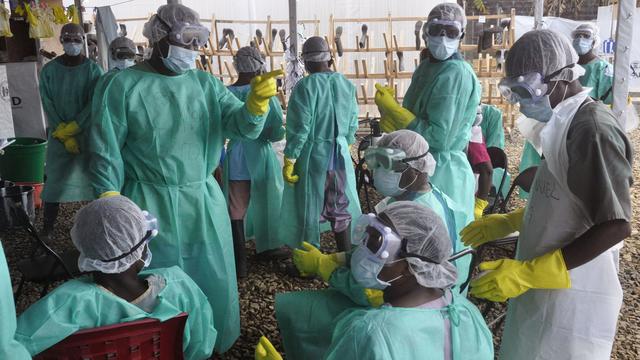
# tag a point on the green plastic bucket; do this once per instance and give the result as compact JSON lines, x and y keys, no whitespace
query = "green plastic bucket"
{"x":23,"y":161}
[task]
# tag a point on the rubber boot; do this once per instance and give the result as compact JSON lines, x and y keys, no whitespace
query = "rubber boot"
{"x":343,"y":239}
{"x":417,"y":33}
{"x":283,"y":38}
{"x":338,"y":41}
{"x":49,"y":219}
{"x":239,"y":250}
{"x":363,"y":40}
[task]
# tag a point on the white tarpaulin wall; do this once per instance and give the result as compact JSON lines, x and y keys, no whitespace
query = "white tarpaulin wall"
{"x":607,"y":27}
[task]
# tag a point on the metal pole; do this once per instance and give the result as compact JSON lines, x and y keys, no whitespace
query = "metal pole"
{"x":78,"y":4}
{"x":538,"y":9}
{"x":293,"y":26}
{"x":624,"y":39}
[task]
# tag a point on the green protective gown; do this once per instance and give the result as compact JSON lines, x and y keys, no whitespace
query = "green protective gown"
{"x":322,"y":114}
{"x":80,"y":304}
{"x":493,"y":134}
{"x":157,"y":139}
{"x":530,"y":158}
{"x":66,"y":93}
{"x":411,"y":333}
{"x":444,"y":97}
{"x":598,"y":76}
{"x":307,"y":339}
{"x":10,"y":348}
{"x":263,"y":214}
{"x":492,"y":127}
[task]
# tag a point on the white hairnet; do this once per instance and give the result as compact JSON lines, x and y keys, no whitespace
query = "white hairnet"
{"x":544,"y":52}
{"x":448,"y":11}
{"x":316,"y":49}
{"x":105,"y":229}
{"x":413,"y":144}
{"x":426,"y":235}
{"x":122,"y":42}
{"x":588,"y":28}
{"x":248,"y":60}
{"x":171,"y":15}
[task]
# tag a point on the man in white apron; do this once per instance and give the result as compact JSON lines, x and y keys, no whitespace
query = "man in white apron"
{"x":563,"y":287}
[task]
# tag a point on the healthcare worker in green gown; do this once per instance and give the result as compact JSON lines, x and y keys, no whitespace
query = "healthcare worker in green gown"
{"x":122,"y":53}
{"x":66,"y":87}
{"x":158,"y":132}
{"x":563,"y":288}
{"x":252,"y":180}
{"x":113,"y":236}
{"x":10,"y":348}
{"x":402,"y":251}
{"x":598,"y":72}
{"x":440,"y":104}
{"x":322,"y":119}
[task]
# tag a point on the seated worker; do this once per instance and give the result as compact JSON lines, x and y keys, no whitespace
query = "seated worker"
{"x":493,"y":134}
{"x":403,"y":251}
{"x":480,"y":164}
{"x":251,"y":172}
{"x":322,"y":119}
{"x":112,"y":235}
{"x":10,"y":348}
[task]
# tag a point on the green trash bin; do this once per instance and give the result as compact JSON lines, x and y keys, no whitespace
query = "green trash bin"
{"x":23,"y":161}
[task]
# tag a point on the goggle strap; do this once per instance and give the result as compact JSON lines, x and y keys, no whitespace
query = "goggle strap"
{"x":406,"y":160}
{"x":547,"y":78}
{"x":404,"y":253}
{"x":144,"y":240}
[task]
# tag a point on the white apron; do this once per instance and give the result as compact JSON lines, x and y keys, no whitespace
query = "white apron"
{"x":575,"y":323}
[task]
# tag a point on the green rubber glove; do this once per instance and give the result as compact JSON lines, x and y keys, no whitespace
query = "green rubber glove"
{"x":491,"y":227}
{"x":287,"y":171}
{"x":263,"y":88}
{"x":479,"y":207}
{"x":511,"y":278}
{"x":312,"y":261}
{"x":266,"y":351}
{"x":394,"y":116}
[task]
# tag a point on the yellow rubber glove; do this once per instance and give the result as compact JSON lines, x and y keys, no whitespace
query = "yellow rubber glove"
{"x":287,"y":171}
{"x":375,"y":297}
{"x":491,"y":227}
{"x":263,"y":88}
{"x":394,"y":116}
{"x":266,"y":351}
{"x":479,"y":207}
{"x":107,"y":194}
{"x":71,"y":145}
{"x":66,"y":130}
{"x":312,"y":261}
{"x":511,"y":278}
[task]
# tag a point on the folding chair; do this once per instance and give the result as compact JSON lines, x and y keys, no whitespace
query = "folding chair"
{"x":498,"y":160}
{"x":141,"y":339}
{"x":474,"y":260}
{"x":44,"y":266}
{"x":524,"y":180}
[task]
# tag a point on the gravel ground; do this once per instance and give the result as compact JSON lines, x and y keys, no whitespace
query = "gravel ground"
{"x":268,"y":278}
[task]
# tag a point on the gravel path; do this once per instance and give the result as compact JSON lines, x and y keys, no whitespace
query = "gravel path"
{"x":268,"y":278}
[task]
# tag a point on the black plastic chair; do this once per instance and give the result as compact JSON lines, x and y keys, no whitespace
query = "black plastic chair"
{"x":524,"y":180}
{"x":474,"y":260}
{"x":44,"y":266}
{"x":498,"y":160}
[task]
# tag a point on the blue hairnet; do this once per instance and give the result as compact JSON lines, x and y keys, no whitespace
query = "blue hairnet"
{"x":316,"y":49}
{"x":248,"y":60}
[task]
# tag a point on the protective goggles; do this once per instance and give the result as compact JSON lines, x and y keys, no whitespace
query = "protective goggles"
{"x":529,"y":86}
{"x":379,"y":238}
{"x":382,"y":241}
{"x":151,"y":224}
{"x":71,"y":38}
{"x":187,"y":34}
{"x":122,"y":54}
{"x":390,"y":159}
{"x":448,"y":28}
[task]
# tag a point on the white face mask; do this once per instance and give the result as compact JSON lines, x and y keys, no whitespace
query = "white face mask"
{"x":180,"y":60}
{"x":121,"y":64}
{"x":72,"y":49}
{"x":442,"y":47}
